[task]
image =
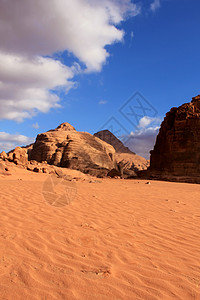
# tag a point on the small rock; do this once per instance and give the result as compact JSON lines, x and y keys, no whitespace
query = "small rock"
{"x":36,"y":170}
{"x":52,"y":172}
{"x":59,"y":173}
{"x":67,"y":177}
{"x":77,"y":178}
{"x":33,"y":162}
{"x":45,"y":170}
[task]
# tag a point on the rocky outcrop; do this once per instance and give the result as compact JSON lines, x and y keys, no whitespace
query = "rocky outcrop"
{"x":177,"y":148}
{"x":19,"y":156}
{"x":65,"y":147}
{"x":110,"y":138}
{"x":128,"y":162}
{"x":3,"y":155}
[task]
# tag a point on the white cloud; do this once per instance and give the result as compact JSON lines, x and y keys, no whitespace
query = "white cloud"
{"x":83,"y":27}
{"x":155,"y":5}
{"x":143,"y":140}
{"x":31,"y":30}
{"x":146,"y":121}
{"x":103,"y":102}
{"x":25,"y":85}
{"x":10,"y":141}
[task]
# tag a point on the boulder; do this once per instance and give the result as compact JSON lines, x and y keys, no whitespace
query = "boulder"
{"x":19,"y":156}
{"x":3,"y":155}
{"x":45,"y":170}
{"x":37,"y":170}
{"x":177,"y":148}
{"x":68,"y":148}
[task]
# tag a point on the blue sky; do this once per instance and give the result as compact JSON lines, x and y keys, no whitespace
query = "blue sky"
{"x":158,"y":56}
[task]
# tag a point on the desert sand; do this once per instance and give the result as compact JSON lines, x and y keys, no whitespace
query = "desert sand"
{"x":114,"y":239}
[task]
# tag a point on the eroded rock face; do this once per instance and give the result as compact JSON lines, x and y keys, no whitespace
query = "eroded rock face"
{"x":19,"y":156}
{"x":177,"y":148}
{"x":65,"y":147}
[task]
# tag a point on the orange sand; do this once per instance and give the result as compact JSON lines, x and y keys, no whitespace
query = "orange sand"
{"x":117,"y":239}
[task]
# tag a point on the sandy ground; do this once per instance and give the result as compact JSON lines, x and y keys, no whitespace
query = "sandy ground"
{"x":113,"y":239}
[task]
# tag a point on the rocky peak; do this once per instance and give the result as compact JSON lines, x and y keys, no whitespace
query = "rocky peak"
{"x":65,"y":127}
{"x":196,"y":102}
{"x":197,"y":98}
{"x":110,"y":138}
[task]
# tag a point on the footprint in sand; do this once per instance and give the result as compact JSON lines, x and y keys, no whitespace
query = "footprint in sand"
{"x":100,"y":272}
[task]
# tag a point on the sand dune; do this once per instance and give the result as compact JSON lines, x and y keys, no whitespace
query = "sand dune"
{"x":117,"y":239}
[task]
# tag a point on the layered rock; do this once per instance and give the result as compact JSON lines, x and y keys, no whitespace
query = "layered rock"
{"x":65,"y":147}
{"x":177,"y":148}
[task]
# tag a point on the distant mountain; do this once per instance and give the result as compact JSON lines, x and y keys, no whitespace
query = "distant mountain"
{"x":110,"y":138}
{"x":127,"y":160}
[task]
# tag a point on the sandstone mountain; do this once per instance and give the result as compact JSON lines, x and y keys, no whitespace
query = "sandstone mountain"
{"x":68,"y":148}
{"x":177,"y":148}
{"x":110,"y":138}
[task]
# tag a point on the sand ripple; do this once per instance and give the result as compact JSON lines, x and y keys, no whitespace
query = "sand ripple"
{"x":116,"y":240}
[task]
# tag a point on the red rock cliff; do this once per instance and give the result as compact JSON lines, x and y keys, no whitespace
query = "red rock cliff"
{"x":177,"y":148}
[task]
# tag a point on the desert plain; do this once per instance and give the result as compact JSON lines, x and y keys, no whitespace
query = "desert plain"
{"x":108,"y":239}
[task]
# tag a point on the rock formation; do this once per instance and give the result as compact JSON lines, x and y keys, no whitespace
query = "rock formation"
{"x":110,"y":138}
{"x":177,"y":148}
{"x":129,"y":163}
{"x":65,"y":147}
{"x":19,"y":156}
{"x":3,"y":155}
